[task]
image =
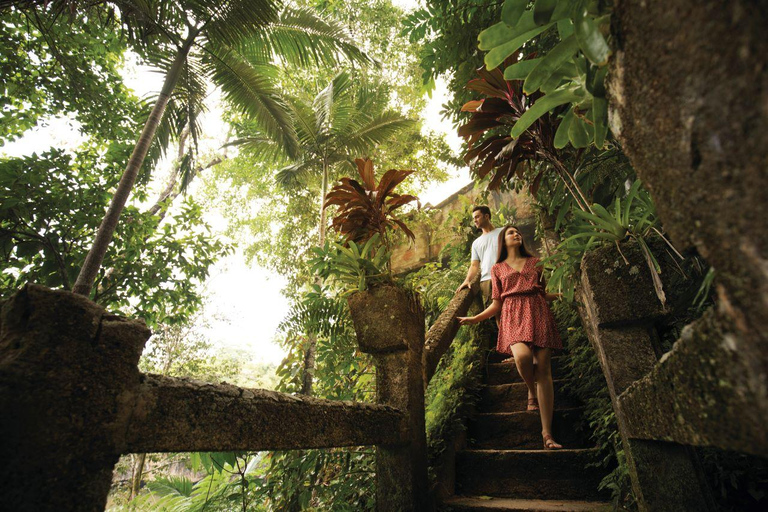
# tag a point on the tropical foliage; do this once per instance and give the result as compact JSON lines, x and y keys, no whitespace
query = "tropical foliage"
{"x":572,"y":72}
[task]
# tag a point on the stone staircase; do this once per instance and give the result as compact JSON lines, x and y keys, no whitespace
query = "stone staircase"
{"x":504,"y":465}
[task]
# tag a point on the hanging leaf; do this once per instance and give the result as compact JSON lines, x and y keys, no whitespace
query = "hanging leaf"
{"x":591,"y":41}
{"x":561,"y":137}
{"x":543,"y":10}
{"x":600,"y":120}
{"x":512,"y":11}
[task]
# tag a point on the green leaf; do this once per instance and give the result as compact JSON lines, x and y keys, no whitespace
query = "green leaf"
{"x":600,"y":119}
{"x":543,"y":10}
{"x":520,"y":70}
{"x":512,"y":11}
{"x":591,"y":41}
{"x":561,"y":136}
{"x":577,"y":133}
{"x":549,"y":64}
{"x":541,"y":107}
{"x":494,"y":36}
{"x":564,"y":28}
{"x":605,"y":224}
{"x":496,"y":56}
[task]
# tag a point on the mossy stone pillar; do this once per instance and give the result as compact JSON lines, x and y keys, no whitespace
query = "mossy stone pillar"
{"x":617,"y":306}
{"x":65,"y":368}
{"x":389,"y":323}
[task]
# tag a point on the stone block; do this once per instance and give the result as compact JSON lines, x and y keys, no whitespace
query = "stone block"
{"x":707,"y":391}
{"x":379,"y":316}
{"x":621,"y":294}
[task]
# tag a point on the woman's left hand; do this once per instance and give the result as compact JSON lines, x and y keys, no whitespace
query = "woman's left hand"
{"x":466,"y":320}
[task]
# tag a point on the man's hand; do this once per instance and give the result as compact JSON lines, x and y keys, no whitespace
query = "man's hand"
{"x":465,"y":284}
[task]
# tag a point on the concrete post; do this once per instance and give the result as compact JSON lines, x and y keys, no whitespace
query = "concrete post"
{"x":390,"y":325}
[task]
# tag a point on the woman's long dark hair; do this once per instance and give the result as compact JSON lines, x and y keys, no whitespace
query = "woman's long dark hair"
{"x":502,"y":254}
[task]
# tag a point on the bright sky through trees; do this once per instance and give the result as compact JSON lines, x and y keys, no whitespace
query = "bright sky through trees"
{"x":243,"y":304}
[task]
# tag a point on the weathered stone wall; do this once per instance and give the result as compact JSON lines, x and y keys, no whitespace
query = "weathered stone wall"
{"x":688,"y":89}
{"x":618,"y":307}
{"x":389,"y":324}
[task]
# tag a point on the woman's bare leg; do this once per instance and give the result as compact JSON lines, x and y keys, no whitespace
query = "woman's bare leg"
{"x":545,"y":390}
{"x":524,"y":361}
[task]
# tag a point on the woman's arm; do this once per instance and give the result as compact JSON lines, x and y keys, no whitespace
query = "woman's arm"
{"x":489,"y":312}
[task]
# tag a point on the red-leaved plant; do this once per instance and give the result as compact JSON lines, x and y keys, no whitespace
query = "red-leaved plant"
{"x":367,"y":208}
{"x":491,"y":147}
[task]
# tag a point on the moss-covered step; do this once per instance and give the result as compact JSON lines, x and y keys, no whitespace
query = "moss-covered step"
{"x":514,"y":397}
{"x":530,"y":474}
{"x":487,"y":503}
{"x":506,"y":371}
{"x":522,"y":430}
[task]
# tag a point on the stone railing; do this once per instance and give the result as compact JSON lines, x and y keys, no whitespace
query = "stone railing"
{"x":442,"y":332}
{"x":72,"y":400}
{"x":704,"y":392}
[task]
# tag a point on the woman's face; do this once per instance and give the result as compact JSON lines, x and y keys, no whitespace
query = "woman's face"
{"x":513,"y":238}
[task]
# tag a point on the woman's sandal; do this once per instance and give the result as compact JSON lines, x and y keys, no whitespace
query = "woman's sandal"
{"x":550,"y":443}
{"x":533,"y":404}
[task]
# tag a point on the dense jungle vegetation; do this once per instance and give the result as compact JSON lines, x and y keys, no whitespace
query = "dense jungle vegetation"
{"x":303,"y":89}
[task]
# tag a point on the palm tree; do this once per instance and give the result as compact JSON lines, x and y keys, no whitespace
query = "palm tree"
{"x":232,"y":43}
{"x":344,"y":121}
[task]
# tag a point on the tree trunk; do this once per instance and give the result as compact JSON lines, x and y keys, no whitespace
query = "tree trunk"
{"x":310,"y":354}
{"x":95,"y":256}
{"x":138,"y":470}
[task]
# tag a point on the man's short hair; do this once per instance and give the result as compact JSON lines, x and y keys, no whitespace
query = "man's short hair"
{"x":483,"y":209}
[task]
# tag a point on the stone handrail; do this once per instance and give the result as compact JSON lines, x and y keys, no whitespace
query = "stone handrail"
{"x":175,"y":415}
{"x":442,"y":332}
{"x":73,"y":400}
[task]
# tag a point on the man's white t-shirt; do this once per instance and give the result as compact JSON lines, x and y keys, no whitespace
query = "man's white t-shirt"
{"x":485,"y":250}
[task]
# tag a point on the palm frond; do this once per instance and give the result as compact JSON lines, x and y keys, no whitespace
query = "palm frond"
{"x":294,"y":175}
{"x":230,"y":22}
{"x":299,"y":36}
{"x":329,"y":99}
{"x":263,"y":148}
{"x":375,"y":132}
{"x":253,"y":91}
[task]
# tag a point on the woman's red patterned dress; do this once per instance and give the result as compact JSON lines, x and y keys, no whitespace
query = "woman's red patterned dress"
{"x":525,"y":314}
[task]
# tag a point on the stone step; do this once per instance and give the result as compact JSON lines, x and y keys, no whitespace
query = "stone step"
{"x":506,"y":372}
{"x":481,"y":503}
{"x":529,"y":474}
{"x":514,"y":397}
{"x":522,"y":430}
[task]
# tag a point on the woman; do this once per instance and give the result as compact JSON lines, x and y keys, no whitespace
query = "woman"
{"x":527,"y":327}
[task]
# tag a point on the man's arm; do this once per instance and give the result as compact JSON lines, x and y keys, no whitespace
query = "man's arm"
{"x":474,"y":268}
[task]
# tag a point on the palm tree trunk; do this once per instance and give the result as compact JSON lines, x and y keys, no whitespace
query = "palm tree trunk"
{"x":95,"y":256}
{"x":309,"y":355}
{"x":323,"y":218}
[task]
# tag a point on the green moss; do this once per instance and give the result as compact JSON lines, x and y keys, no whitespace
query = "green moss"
{"x":453,"y":390}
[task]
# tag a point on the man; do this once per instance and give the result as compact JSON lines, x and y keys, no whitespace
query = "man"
{"x":484,"y":252}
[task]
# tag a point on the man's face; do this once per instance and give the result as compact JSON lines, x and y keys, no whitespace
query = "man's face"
{"x":479,"y":219}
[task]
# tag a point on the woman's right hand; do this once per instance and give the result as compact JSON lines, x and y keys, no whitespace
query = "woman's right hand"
{"x":467,"y":320}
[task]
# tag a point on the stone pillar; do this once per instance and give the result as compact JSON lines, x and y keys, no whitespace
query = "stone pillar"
{"x":64,"y":365}
{"x":390,"y":325}
{"x":617,"y":306}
